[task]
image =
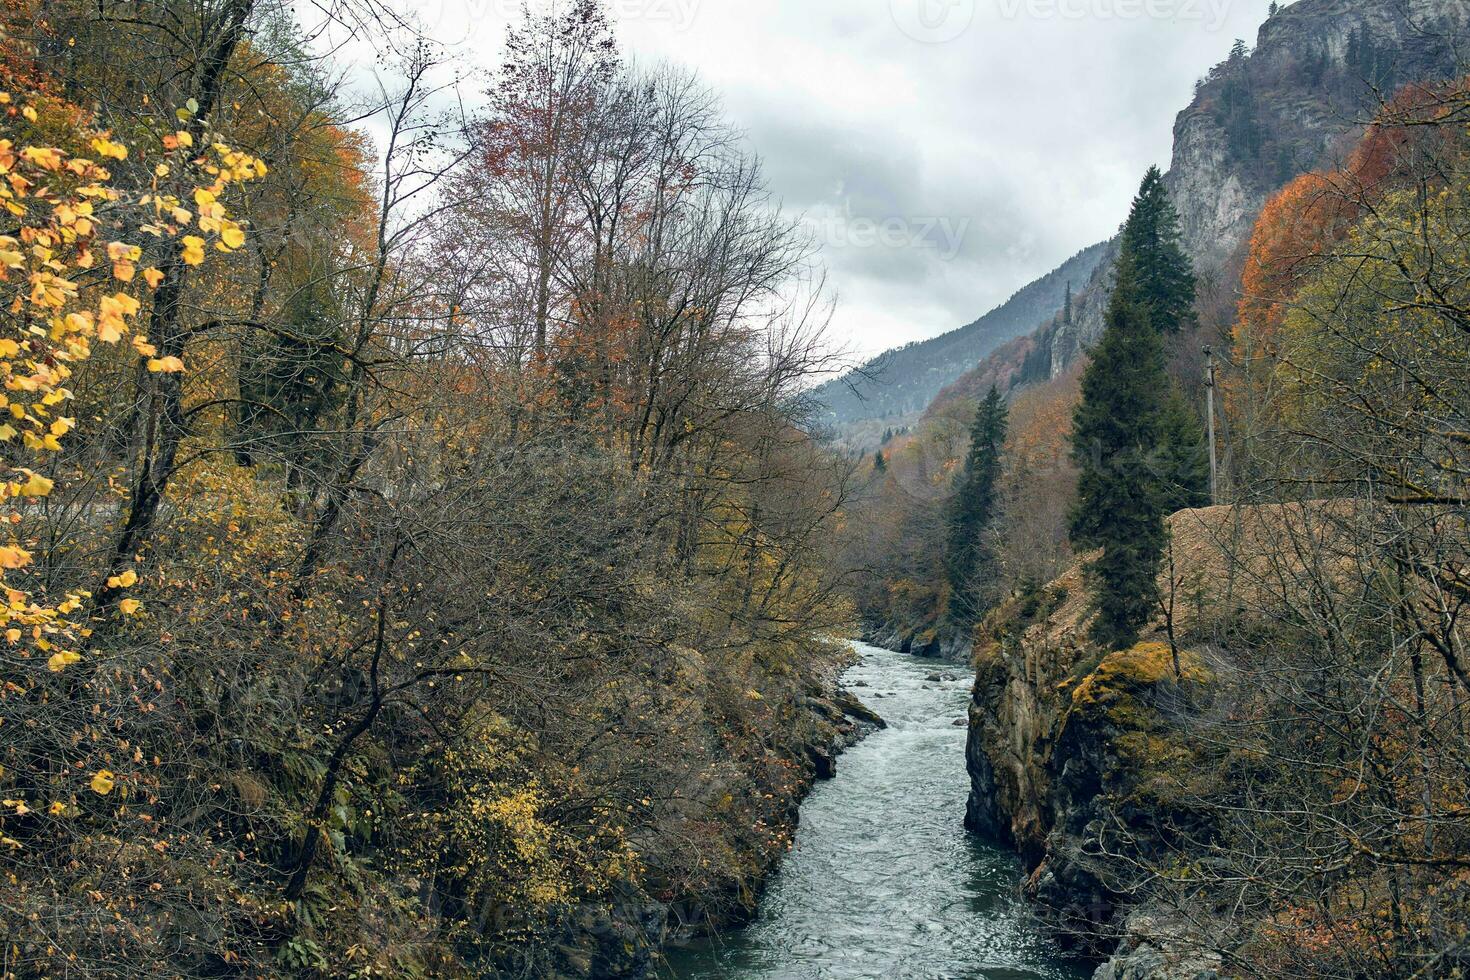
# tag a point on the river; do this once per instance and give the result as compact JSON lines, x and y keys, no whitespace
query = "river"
{"x":883,"y":881}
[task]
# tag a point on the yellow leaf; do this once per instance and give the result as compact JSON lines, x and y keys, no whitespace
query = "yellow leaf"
{"x":62,"y":660}
{"x":152,"y":277}
{"x":130,"y":607}
{"x":232,"y":236}
{"x":11,"y":557}
{"x":103,"y":782}
{"x":37,"y":486}
{"x":123,"y":252}
{"x":193,"y":253}
{"x":106,"y":148}
{"x":126,"y":580}
{"x":42,"y":156}
{"x":165,"y":365}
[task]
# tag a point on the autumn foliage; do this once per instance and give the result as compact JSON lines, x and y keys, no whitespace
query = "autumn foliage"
{"x":409,"y":553}
{"x":1302,"y":224}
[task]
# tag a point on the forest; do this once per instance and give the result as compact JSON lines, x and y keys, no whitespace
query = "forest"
{"x":411,"y":543}
{"x":426,"y":555}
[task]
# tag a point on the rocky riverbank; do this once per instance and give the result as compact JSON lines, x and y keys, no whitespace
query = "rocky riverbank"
{"x":1078,"y":761}
{"x":623,"y":940}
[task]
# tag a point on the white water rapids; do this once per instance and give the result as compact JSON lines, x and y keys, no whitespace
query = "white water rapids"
{"x":883,"y":881}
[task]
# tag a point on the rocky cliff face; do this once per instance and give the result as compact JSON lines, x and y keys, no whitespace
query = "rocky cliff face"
{"x":1319,"y":69}
{"x":1089,"y":762}
{"x":1082,"y":760}
{"x":1316,"y":75}
{"x":1076,"y":761}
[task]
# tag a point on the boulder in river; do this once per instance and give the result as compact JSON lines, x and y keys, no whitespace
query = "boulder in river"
{"x":824,"y":766}
{"x":858,"y":711}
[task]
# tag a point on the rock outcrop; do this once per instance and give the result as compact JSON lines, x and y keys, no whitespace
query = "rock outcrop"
{"x":1158,"y":948}
{"x":1318,"y":72}
{"x":1080,"y":760}
{"x":1085,"y":761}
{"x":929,"y":642}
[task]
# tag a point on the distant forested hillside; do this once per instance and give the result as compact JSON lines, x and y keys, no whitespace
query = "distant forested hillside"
{"x":904,"y":381}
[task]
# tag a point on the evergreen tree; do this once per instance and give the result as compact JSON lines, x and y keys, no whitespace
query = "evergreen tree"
{"x":974,"y":510}
{"x":1165,"y":276}
{"x":1067,"y":306}
{"x":1117,"y":433}
{"x":1138,"y":444}
{"x":1184,"y":462}
{"x":880,"y":463}
{"x":1354,"y":55}
{"x":1316,"y":67}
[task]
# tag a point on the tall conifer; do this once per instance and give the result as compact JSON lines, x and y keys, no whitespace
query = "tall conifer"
{"x":974,"y":510}
{"x":1134,"y":438}
{"x":1116,"y":432}
{"x":1165,"y":276}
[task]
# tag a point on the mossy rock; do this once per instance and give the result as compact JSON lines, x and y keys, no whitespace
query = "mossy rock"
{"x":1150,"y":764}
{"x":1119,"y":685}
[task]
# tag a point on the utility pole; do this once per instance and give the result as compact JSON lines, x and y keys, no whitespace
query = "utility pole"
{"x":1210,"y":412}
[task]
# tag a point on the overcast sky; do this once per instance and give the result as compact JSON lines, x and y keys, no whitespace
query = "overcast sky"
{"x":946,"y":152}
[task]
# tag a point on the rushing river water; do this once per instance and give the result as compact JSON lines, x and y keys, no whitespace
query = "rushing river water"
{"x":883,"y":881}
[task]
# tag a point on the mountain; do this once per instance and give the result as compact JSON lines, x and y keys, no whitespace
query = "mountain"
{"x":1318,"y":72}
{"x":899,"y":384}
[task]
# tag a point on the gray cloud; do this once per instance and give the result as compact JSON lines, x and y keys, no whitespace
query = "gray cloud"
{"x":1028,"y":126}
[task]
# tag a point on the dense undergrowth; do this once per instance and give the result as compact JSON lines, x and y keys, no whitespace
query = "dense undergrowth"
{"x":415,"y":566}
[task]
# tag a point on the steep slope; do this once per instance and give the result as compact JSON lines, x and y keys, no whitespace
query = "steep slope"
{"x":1073,"y":749}
{"x":1318,"y":71}
{"x":903,"y":382}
